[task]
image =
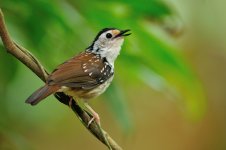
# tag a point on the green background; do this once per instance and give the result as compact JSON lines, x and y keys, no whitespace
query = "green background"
{"x":169,"y":85}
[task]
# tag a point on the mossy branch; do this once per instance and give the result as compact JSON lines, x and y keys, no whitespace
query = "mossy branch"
{"x":34,"y":65}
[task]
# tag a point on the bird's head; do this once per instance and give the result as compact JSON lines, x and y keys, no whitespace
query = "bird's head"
{"x":108,"y":43}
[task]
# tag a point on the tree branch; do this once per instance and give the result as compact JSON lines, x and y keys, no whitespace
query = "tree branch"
{"x":34,"y":65}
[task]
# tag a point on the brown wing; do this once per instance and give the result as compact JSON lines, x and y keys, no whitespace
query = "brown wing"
{"x":83,"y":71}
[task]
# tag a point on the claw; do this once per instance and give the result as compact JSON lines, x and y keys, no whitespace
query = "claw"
{"x":95,"y":116}
{"x":91,"y":120}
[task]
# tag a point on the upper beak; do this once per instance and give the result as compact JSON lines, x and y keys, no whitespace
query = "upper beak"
{"x":123,"y":33}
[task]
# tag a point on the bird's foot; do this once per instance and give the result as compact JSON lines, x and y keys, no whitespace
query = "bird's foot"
{"x":95,"y":118}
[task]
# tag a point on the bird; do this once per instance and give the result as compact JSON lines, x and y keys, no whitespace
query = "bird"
{"x":88,"y":74}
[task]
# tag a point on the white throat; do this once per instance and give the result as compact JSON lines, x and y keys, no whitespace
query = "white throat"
{"x":111,"y":52}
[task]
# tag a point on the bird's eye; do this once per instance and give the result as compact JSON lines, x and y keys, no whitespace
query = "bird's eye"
{"x":108,"y":35}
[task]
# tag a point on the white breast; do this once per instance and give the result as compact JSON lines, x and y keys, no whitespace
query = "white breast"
{"x":101,"y":88}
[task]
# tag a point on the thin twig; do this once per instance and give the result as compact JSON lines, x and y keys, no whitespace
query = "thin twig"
{"x":33,"y":64}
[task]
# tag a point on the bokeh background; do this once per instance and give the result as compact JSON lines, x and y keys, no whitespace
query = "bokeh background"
{"x":169,"y":90}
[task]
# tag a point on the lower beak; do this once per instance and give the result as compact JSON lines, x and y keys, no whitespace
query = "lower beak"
{"x":123,"y":33}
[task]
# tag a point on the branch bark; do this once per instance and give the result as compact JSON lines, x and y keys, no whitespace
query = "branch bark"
{"x":34,"y":65}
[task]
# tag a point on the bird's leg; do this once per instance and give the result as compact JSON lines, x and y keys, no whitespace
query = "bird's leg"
{"x":97,"y":119}
{"x":95,"y":115}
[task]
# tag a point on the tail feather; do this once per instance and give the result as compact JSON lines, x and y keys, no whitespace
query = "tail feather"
{"x":41,"y":93}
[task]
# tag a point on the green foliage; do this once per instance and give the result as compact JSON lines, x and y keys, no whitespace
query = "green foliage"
{"x":55,"y":29}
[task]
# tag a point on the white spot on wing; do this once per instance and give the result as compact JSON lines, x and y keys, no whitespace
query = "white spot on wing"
{"x":96,"y":60}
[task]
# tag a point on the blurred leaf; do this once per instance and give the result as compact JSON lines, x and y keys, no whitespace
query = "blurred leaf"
{"x":116,"y":100}
{"x":7,"y":73}
{"x":13,"y":140}
{"x":8,"y":70}
{"x":165,"y":61}
{"x":159,"y":66}
{"x":154,"y":9}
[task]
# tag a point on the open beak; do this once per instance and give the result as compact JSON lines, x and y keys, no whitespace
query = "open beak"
{"x":123,"y":33}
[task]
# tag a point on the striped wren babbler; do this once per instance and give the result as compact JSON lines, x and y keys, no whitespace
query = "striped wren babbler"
{"x":88,"y":74}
